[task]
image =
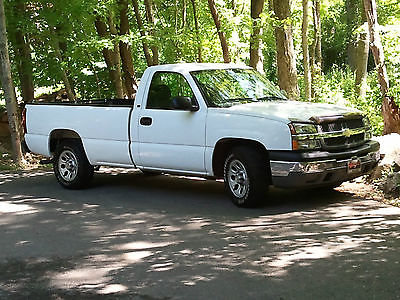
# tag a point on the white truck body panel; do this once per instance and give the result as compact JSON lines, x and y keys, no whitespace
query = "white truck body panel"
{"x":288,"y":110}
{"x":226,"y":123}
{"x":103,"y":130}
{"x":176,"y":139}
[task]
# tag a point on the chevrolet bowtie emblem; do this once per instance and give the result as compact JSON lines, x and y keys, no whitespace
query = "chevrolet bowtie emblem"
{"x":347,"y":132}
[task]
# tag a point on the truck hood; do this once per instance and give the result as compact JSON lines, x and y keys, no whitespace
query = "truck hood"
{"x":296,"y":111}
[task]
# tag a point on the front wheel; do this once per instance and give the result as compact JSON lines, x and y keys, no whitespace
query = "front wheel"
{"x":71,"y":166}
{"x":246,"y":177}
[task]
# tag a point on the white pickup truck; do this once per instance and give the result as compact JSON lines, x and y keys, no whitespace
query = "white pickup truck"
{"x":210,"y":120}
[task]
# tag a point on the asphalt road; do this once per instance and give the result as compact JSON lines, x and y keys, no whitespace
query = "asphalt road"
{"x":132,"y":236}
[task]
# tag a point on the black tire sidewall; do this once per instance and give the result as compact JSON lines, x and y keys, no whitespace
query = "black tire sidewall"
{"x":85,"y":170}
{"x":257,"y":175}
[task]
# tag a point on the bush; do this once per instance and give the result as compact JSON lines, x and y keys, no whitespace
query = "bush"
{"x":337,"y":87}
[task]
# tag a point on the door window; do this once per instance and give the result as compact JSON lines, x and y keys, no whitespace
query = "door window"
{"x":165,"y":87}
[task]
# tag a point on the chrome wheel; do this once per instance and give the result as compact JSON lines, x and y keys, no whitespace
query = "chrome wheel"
{"x":68,"y":165}
{"x":237,"y":178}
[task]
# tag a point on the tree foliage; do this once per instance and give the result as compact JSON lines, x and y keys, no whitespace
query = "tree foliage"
{"x":66,"y":49}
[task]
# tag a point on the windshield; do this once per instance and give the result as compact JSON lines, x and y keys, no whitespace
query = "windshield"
{"x":227,"y":87}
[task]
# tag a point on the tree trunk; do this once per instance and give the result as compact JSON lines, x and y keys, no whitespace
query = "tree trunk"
{"x":23,"y":57}
{"x":318,"y":35}
{"x":286,"y":60}
{"x":376,"y":45}
{"x":184,"y":14}
{"x":361,"y":63}
{"x":390,"y":110}
{"x":57,"y":51}
{"x":62,"y":45}
{"x":306,"y":58}
{"x":93,"y":68}
{"x":116,"y":57}
{"x":9,"y":90}
{"x":125,"y":52}
{"x":312,"y":65}
{"x":176,"y":17}
{"x":315,"y":55}
{"x":110,"y":58}
{"x":67,"y":84}
{"x":256,"y":59}
{"x":139,"y":22}
{"x":355,"y":16}
{"x":196,"y":26}
{"x":24,"y":66}
{"x":221,"y":34}
{"x":358,"y":47}
{"x":150,"y":19}
{"x":233,"y":6}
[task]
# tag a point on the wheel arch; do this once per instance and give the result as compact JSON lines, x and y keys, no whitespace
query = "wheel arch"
{"x":58,"y":135}
{"x":225,"y":145}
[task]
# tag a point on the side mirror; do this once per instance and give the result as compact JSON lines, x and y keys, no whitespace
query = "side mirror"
{"x":184,"y":103}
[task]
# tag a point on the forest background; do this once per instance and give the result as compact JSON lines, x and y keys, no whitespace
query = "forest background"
{"x":315,"y":50}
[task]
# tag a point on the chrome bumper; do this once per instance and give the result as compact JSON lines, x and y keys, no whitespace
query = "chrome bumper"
{"x":320,"y":172}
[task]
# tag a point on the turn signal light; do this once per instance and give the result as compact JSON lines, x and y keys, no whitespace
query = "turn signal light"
{"x":295,"y":145}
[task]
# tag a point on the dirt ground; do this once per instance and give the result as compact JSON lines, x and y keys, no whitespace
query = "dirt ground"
{"x":31,"y":161}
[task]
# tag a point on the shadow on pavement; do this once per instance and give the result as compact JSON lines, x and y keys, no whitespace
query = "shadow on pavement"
{"x":164,"y":237}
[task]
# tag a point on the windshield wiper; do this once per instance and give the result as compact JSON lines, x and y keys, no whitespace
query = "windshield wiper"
{"x":269,"y":98}
{"x":236,"y":101}
{"x":240,"y":100}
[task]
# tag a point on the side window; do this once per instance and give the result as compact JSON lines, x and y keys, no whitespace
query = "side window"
{"x":164,"y":87}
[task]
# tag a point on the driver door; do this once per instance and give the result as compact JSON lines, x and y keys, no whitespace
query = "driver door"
{"x":171,"y":139}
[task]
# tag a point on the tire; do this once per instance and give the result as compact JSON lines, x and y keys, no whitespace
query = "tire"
{"x":246,"y":176}
{"x":71,"y":166}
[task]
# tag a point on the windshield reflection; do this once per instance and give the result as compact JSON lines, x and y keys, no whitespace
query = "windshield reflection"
{"x":227,"y":87}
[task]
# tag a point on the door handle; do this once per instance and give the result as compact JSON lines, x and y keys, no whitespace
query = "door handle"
{"x":146,"y":121}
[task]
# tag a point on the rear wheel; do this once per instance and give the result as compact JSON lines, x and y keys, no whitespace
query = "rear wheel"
{"x":71,"y":166}
{"x":246,"y":177}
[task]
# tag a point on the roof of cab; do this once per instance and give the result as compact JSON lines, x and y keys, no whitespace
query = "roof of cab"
{"x":189,"y":67}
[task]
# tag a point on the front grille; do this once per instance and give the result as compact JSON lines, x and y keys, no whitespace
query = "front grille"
{"x":341,"y":141}
{"x":342,"y":134}
{"x":342,"y":124}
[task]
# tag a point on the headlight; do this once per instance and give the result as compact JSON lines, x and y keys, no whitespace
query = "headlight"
{"x":305,"y":144}
{"x":299,"y":128}
{"x":304,"y":136}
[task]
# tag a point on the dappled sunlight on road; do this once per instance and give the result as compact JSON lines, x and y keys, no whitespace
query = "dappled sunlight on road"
{"x":6,"y":207}
{"x":112,"y":289}
{"x":88,"y":277}
{"x":9,"y":176}
{"x":161,"y":236}
{"x":305,"y":255}
{"x":143,"y":245}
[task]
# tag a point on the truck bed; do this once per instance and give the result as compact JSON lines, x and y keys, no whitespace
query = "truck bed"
{"x":103,"y":127}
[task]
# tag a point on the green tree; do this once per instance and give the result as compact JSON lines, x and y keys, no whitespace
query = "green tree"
{"x":9,"y":90}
